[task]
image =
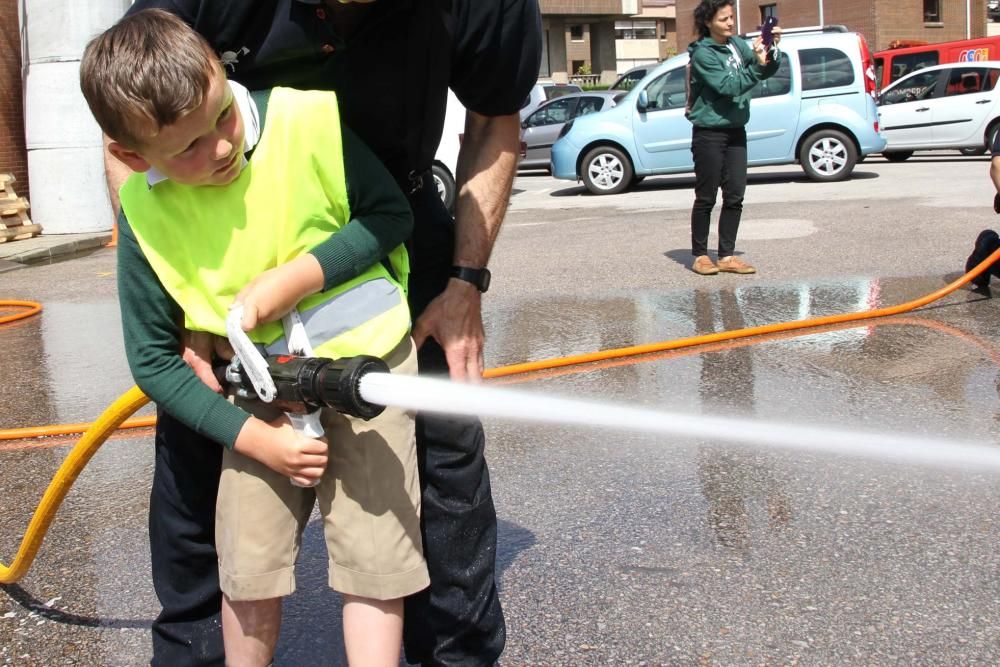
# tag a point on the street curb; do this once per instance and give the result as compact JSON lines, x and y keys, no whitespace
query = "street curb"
{"x":42,"y":248}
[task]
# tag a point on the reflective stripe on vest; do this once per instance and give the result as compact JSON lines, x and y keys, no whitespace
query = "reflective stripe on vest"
{"x":206,"y":243}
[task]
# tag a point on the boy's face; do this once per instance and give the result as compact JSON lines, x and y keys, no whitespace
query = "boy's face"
{"x":204,"y":146}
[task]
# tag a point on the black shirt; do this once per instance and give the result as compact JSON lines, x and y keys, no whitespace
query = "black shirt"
{"x":391,"y":60}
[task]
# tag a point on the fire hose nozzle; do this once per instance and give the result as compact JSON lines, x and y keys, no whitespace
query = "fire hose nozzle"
{"x":305,"y":384}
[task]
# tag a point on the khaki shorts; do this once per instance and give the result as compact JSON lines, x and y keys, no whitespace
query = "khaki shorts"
{"x":369,"y":497}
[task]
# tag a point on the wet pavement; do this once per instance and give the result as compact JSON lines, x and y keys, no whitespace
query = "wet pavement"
{"x":615,"y":548}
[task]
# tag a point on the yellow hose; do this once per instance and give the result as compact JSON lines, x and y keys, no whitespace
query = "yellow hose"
{"x":134,"y":399}
{"x":60,"y":485}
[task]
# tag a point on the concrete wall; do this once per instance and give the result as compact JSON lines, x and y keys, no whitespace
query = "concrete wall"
{"x":65,"y":151}
{"x":13,"y":156}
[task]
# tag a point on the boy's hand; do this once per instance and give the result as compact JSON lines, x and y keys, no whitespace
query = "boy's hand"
{"x":284,"y":451}
{"x":197,"y":347}
{"x":276,"y":291}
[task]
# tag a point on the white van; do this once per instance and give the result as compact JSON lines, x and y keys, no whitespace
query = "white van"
{"x":446,"y":159}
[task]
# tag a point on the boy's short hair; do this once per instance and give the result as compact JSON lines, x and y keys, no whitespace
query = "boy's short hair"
{"x":144,"y":73}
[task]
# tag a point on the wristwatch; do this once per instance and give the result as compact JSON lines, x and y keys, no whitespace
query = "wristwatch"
{"x":478,"y":277}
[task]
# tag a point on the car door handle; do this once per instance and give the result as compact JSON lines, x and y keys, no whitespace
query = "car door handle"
{"x":983,"y":102}
{"x":924,"y":109}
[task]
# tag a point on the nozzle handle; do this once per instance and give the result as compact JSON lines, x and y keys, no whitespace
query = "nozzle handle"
{"x":307,"y":425}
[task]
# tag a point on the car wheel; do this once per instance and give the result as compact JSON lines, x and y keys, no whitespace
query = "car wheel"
{"x":970,"y":152}
{"x":897,"y":156}
{"x":606,"y":171}
{"x":828,"y":155}
{"x":445,"y":186}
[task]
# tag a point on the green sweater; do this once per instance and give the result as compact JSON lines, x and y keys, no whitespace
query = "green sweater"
{"x":381,"y":219}
{"x":721,"y":84}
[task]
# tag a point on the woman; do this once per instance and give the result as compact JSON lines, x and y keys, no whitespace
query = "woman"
{"x":723,"y":71}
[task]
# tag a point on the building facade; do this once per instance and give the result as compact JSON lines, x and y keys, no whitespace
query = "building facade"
{"x":881,"y":21}
{"x":579,"y":38}
{"x":648,"y":37}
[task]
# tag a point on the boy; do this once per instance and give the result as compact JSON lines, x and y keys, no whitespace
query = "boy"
{"x":264,"y":200}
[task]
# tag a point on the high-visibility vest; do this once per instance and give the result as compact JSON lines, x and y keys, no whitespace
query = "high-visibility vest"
{"x":205,"y":243}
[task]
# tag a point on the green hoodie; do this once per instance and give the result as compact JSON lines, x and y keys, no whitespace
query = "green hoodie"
{"x":720,"y":86}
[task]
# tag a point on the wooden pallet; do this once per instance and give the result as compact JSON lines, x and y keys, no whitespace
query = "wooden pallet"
{"x":14,"y":221}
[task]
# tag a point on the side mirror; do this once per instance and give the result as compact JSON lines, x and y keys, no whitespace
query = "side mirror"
{"x":643,"y":102}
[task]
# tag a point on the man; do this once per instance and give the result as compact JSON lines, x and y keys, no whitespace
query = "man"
{"x":988,"y":240}
{"x":391,"y":62}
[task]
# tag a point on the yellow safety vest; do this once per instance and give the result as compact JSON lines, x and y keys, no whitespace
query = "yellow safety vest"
{"x":205,"y":243}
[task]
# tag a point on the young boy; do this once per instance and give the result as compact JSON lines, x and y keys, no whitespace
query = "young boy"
{"x":265,"y":200}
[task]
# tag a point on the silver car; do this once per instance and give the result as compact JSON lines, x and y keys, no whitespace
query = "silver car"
{"x":541,"y":128}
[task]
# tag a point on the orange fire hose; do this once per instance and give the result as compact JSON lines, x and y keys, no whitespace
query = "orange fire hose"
{"x":32,"y":307}
{"x":134,"y":399}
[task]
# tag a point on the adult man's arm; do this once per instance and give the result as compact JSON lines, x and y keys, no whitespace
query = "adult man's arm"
{"x":487,"y":163}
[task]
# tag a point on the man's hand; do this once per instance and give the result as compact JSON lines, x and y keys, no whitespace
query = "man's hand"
{"x":284,"y":451}
{"x":454,"y":319}
{"x":276,"y":291}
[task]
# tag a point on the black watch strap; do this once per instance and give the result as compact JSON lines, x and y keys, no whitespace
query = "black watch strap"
{"x":478,"y":277}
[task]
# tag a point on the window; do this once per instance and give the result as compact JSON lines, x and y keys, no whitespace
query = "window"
{"x":588,"y":105}
{"x":917,"y":87}
{"x":768,"y":10}
{"x":635,"y":29}
{"x":629,"y":79}
{"x":965,"y":80}
{"x":903,"y":65}
{"x":778,"y":84}
{"x":576,"y":33}
{"x":552,"y":113}
{"x":668,"y":91}
{"x":577,"y":65}
{"x":825,"y":68}
{"x":932,"y":11}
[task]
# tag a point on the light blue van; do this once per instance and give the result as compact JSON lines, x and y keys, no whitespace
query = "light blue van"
{"x":818,"y":110}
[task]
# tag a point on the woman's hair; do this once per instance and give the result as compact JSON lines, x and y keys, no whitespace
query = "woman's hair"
{"x":144,"y":73}
{"x":705,"y":12}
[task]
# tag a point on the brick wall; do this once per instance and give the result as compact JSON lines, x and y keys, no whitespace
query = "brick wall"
{"x":13,"y":157}
{"x":880,"y":21}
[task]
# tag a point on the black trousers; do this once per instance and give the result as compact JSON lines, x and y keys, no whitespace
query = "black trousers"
{"x":457,"y":621}
{"x":720,"y":160}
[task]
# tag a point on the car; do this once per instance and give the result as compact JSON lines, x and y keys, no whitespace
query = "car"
{"x":993,"y":10}
{"x":906,"y":56}
{"x":941,"y":107}
{"x":818,"y":110}
{"x":544,"y":91}
{"x":540,"y":129}
{"x":629,"y":78}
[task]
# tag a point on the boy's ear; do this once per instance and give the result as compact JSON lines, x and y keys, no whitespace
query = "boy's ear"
{"x":132,"y":160}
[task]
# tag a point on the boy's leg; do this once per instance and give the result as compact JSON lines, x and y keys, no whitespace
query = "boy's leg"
{"x":251,"y":630}
{"x":185,"y":567}
{"x":260,"y":517}
{"x":373,"y":630}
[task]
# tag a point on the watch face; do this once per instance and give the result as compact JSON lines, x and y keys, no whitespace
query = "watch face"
{"x":484,"y":280}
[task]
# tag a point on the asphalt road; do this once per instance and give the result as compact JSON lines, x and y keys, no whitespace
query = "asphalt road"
{"x":618,"y":547}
